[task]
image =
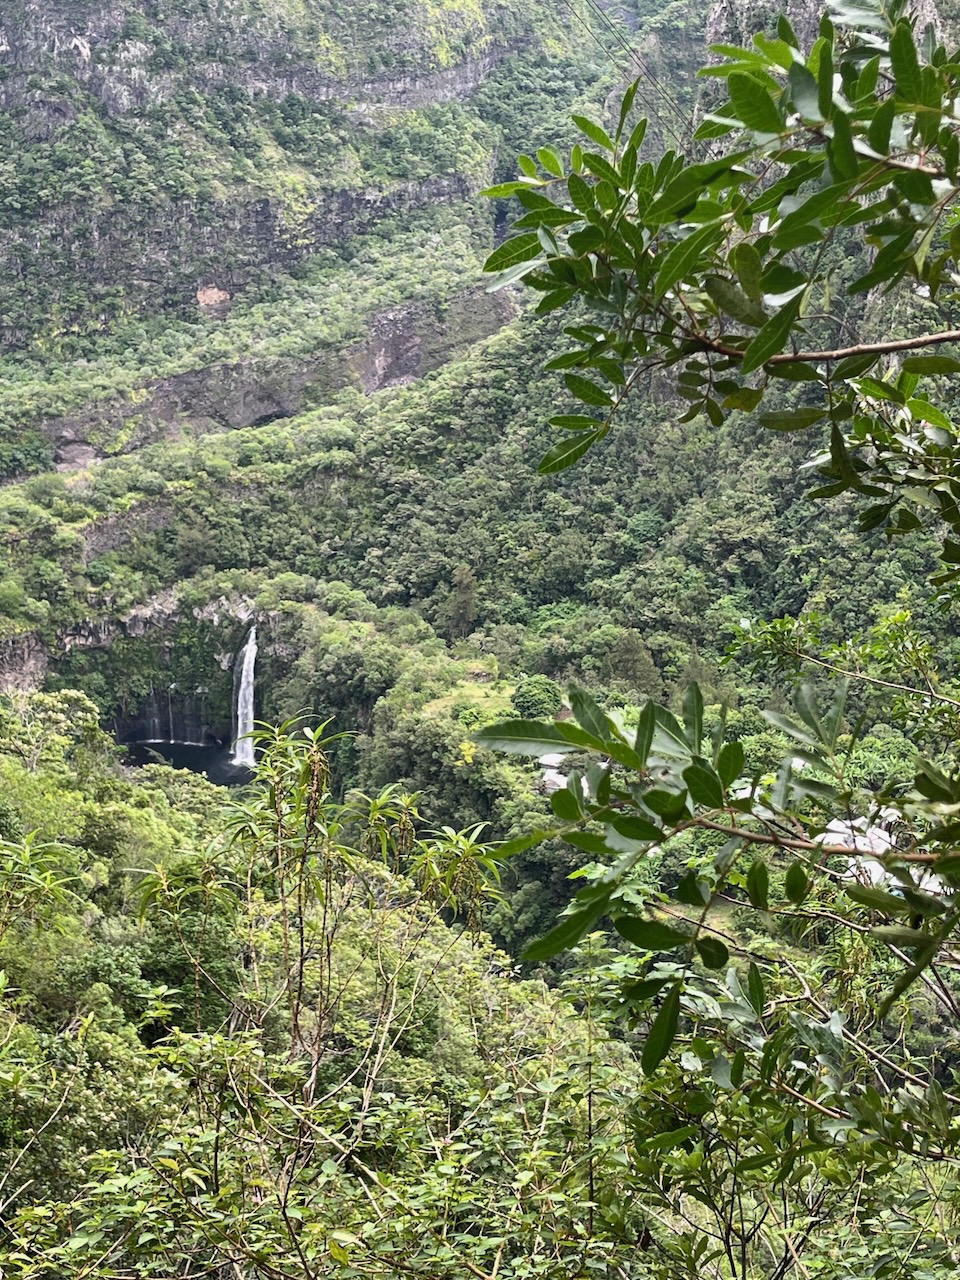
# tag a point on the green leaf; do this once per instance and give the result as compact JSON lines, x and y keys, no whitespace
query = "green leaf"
{"x":745,"y":399}
{"x":749,"y":268}
{"x":338,"y":1253}
{"x":524,"y":737}
{"x":586,"y":390}
{"x":868,"y":79}
{"x":581,"y":193}
{"x":555,"y":300}
{"x":792,"y":419}
{"x":635,"y":141}
{"x":591,"y":843}
{"x":875,"y":516}
{"x":671,"y":805}
{"x":854,"y":366}
{"x":720,"y":1072}
{"x":713,"y":953}
{"x":644,"y":989}
{"x":594,"y":132}
{"x":693,"y":717}
{"x":906,"y":65}
{"x":758,"y":885}
{"x":843,"y":158}
{"x":670,"y":1139}
{"x":513,"y":251}
{"x":566,"y":452}
{"x":755,"y":988}
{"x":504,"y":189}
{"x":574,"y":422}
{"x":636,"y":828}
{"x":825,"y":79}
{"x":803,"y":91}
{"x":588,"y":714}
{"x":753,"y":105}
{"x":692,"y":890}
{"x":786,"y":33}
{"x":522,"y":843}
{"x":685,"y":189}
{"x":796,"y":884}
{"x":646,"y":725}
{"x":602,"y":168}
{"x":878,"y":133}
{"x":733,"y":302}
{"x":704,"y":786}
{"x":626,"y":102}
{"x":551,"y":161}
{"x":730,"y":762}
{"x":568,"y":932}
{"x":650,"y":935}
{"x":877,"y":899}
{"x":927,"y":412}
{"x":931,"y":364}
{"x":772,"y":337}
{"x":896,"y":936}
{"x":684,"y":257}
{"x":663,"y":1032}
{"x":566,"y":806}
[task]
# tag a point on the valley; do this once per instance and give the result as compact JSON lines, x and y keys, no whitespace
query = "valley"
{"x":412,"y":862}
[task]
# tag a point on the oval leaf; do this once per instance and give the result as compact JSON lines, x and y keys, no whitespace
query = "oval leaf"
{"x":684,"y":257}
{"x":650,"y":935}
{"x":511,"y":252}
{"x":796,"y":885}
{"x":771,"y":338}
{"x":712,"y":952}
{"x":586,"y":390}
{"x":566,"y":452}
{"x":758,"y":885}
{"x":662,"y":1032}
{"x":524,"y":737}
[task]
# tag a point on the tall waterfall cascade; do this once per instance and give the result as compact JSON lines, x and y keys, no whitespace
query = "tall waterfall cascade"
{"x":243,"y":754}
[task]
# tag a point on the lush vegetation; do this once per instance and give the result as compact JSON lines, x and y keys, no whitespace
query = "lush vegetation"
{"x":345,"y":1020}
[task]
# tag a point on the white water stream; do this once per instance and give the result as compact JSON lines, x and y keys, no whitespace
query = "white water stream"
{"x":246,"y":663}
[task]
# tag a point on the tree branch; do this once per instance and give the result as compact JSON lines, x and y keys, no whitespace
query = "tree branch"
{"x":868,"y":348}
{"x":837,"y":353}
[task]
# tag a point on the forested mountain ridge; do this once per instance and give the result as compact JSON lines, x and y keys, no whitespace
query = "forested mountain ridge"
{"x":144,"y":178}
{"x":269,"y":450}
{"x":221,"y":457}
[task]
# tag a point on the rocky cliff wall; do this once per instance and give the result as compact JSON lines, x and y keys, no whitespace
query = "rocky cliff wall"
{"x":132,"y":57}
{"x":403,"y":342}
{"x":159,"y":259}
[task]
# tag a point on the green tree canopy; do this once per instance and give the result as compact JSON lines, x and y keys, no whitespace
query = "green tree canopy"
{"x":772,"y":270}
{"x":761,"y":271}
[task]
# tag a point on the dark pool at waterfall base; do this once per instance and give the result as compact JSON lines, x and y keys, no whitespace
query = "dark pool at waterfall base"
{"x":214,"y":760}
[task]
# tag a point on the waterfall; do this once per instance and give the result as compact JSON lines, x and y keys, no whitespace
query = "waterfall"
{"x":152,"y":717}
{"x":243,"y":744}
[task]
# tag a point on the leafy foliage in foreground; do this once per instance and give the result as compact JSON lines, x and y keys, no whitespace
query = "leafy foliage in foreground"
{"x":339,"y":1078}
{"x":733,"y":271}
{"x":720,"y":271}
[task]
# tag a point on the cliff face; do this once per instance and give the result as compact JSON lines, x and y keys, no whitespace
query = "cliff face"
{"x":152,"y":150}
{"x":402,"y":343}
{"x":214,"y":215}
{"x":401,"y":54}
{"x":162,"y":163}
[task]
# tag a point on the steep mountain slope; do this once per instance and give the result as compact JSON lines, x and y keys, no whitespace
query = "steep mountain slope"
{"x":165,"y":165}
{"x":242,"y":230}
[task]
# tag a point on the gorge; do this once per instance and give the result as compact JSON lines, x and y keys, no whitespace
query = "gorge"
{"x":421,"y":857}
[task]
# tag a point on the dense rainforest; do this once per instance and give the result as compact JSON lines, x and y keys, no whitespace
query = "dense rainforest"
{"x":269,"y":447}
